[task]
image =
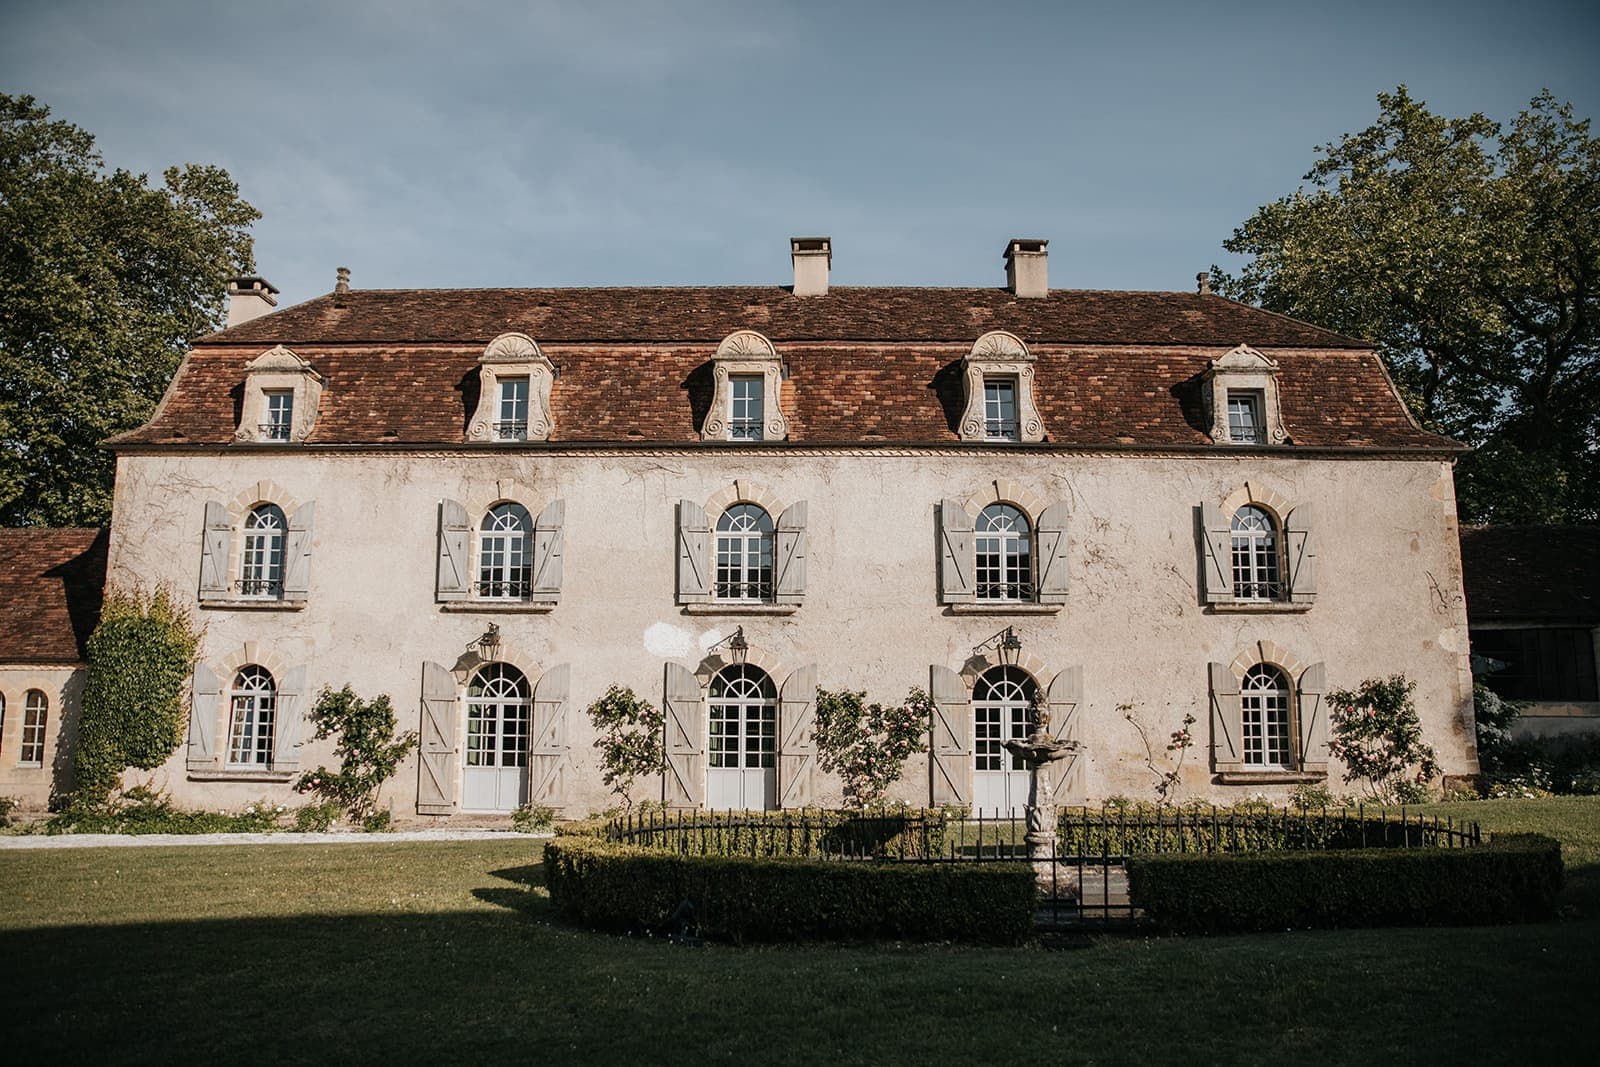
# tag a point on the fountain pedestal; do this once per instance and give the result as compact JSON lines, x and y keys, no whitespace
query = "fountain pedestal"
{"x":1037,"y":752}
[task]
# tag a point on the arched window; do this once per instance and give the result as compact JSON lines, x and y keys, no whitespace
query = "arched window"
{"x":497,"y":717}
{"x":36,"y":709}
{"x":261,"y":569}
{"x":1255,"y":555}
{"x":254,"y":712}
{"x":1004,"y":543}
{"x":744,"y":554}
{"x":504,"y":556}
{"x":1003,"y":704}
{"x":743,"y":739}
{"x":1264,"y":705}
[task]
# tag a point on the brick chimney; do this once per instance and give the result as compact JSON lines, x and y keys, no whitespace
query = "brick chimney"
{"x":249,"y":298}
{"x":1027,"y":267}
{"x":812,"y":257}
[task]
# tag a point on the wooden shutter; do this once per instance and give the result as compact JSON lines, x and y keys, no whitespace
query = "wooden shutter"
{"x":1301,"y":552}
{"x":547,"y":748}
{"x":1227,"y":743}
{"x":684,"y":783}
{"x":288,"y":720}
{"x":694,"y":553}
{"x":1312,"y":712}
{"x":455,"y":552}
{"x":437,"y":741}
{"x":1062,"y":698}
{"x":797,"y":714}
{"x":215,"y":541}
{"x":1216,"y":548}
{"x":297,"y":553}
{"x":548,"y":538}
{"x":205,"y":694}
{"x":790,"y":586}
{"x":951,"y":747}
{"x":1052,"y":550}
{"x":955,"y":554}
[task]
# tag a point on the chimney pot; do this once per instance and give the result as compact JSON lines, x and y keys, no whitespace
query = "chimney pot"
{"x":1027,"y":267}
{"x":1203,"y":283}
{"x":249,"y":297}
{"x":342,"y":285}
{"x":812,"y":257}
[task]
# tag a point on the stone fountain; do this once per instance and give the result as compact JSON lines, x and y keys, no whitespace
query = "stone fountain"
{"x":1037,"y":752}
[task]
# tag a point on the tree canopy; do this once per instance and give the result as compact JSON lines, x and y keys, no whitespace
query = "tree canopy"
{"x":103,"y":279}
{"x":1470,"y":252}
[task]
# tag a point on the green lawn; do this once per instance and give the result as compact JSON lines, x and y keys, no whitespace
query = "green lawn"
{"x":403,"y":952}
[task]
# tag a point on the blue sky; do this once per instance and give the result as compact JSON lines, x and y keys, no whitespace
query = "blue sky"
{"x":482,"y":144}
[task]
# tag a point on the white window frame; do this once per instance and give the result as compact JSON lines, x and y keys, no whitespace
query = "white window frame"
{"x":261,"y":556}
{"x":997,"y":425}
{"x":1267,"y":719}
{"x":504,"y":553}
{"x":499,"y":717}
{"x":747,"y":406}
{"x":252,"y":717}
{"x":1255,"y":549}
{"x":278,"y":370}
{"x":745,"y":713}
{"x":511,"y":408}
{"x":508,"y":357}
{"x":1008,"y":576}
{"x":35,"y":719}
{"x":1251,"y":402}
{"x":999,"y":356}
{"x":745,"y":556}
{"x":745,"y":353}
{"x":280,"y":415}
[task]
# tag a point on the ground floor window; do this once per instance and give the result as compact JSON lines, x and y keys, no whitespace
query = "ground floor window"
{"x":742,"y":749}
{"x":1264,"y":704}
{"x":1003,"y":709}
{"x":35,"y":711}
{"x":254,"y":711}
{"x":498,"y":725}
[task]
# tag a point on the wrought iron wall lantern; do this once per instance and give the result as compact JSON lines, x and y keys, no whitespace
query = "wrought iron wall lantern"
{"x":738,"y":648}
{"x":1006,"y":643}
{"x":488,"y":644}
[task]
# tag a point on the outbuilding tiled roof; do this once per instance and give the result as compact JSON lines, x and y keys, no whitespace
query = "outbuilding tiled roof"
{"x":51,"y":582}
{"x":1531,"y":573}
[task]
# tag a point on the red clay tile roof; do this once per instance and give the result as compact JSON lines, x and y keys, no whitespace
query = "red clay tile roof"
{"x":710,"y":313}
{"x":50,"y":590}
{"x":1531,"y":573}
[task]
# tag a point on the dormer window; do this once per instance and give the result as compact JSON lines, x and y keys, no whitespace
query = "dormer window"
{"x":999,"y":391}
{"x":512,"y":421}
{"x":1244,"y":418}
{"x":514,"y":379}
{"x":1000,"y":409}
{"x":748,"y":379}
{"x":280,"y":415}
{"x":281,"y":396}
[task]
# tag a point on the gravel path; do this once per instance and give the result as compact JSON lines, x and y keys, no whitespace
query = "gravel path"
{"x":347,"y":838}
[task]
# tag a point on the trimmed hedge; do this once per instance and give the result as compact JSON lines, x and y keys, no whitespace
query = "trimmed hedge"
{"x":619,"y":887}
{"x":1104,"y":832}
{"x":1513,"y":878}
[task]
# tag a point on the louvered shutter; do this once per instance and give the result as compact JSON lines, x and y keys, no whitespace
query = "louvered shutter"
{"x":455,"y":552}
{"x":215,"y":540}
{"x":288,"y":719}
{"x":1062,"y":699}
{"x":297,"y":553}
{"x":548,"y":538}
{"x":1227,"y":743}
{"x":547,"y":749}
{"x":1312,"y":710}
{"x":797,"y":714}
{"x":951,"y":744}
{"x":684,"y":783}
{"x":955,"y":554}
{"x":1216,"y":548}
{"x":437,"y":741}
{"x":205,"y":694}
{"x":1302,"y":554}
{"x":1052,"y":530}
{"x":694,"y":554}
{"x":790,"y":586}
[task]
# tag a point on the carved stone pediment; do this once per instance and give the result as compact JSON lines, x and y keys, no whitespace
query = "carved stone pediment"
{"x":745,"y":352}
{"x":513,"y":355}
{"x":279,"y":370}
{"x":999,"y":354}
{"x":1243,"y":369}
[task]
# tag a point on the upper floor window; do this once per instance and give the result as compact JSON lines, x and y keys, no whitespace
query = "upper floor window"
{"x":748,"y":407}
{"x":1000,"y":409}
{"x":252,"y":718}
{"x":1244,"y":418}
{"x":1255,"y":555}
{"x":261,"y":562}
{"x":1003,"y":541}
{"x":280,"y":415}
{"x":35,"y":710}
{"x":744,"y":554}
{"x":504,"y":557}
{"x":511,"y":421}
{"x":1264,"y":717}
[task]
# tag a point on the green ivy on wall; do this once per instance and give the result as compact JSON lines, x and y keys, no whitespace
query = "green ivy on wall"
{"x":134,"y":712}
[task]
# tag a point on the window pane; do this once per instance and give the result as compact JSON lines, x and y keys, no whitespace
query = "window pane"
{"x":1000,"y":409}
{"x":511,"y":423}
{"x":748,"y":407}
{"x":1244,"y":418}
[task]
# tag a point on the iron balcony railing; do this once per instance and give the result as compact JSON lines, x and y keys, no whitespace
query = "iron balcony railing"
{"x":1248,"y":590}
{"x":504,"y":588}
{"x":274,"y":431}
{"x":749,"y":592}
{"x":266,"y":588}
{"x":1004,"y":591}
{"x":511,"y":430}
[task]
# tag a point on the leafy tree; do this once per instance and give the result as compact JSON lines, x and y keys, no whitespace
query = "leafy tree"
{"x":102,"y":281}
{"x":1378,"y":737}
{"x":867,"y":745}
{"x":1471,"y":254}
{"x":369,"y":753}
{"x":629,"y":737}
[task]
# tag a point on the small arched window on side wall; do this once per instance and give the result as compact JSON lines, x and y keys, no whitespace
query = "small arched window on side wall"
{"x":252,"y":718}
{"x":261,"y":555}
{"x":744,"y":555}
{"x":36,"y":711}
{"x":1004,"y":557}
{"x":1256,"y":565}
{"x":1003,"y":562}
{"x":505,"y":558}
{"x":1257,"y":555}
{"x":1264,"y":718}
{"x":1268,"y":719}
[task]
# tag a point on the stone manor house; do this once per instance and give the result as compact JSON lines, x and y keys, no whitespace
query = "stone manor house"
{"x":494,"y":504}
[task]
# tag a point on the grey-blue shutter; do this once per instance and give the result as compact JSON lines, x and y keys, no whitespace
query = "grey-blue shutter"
{"x":955,"y":554}
{"x":455,"y":552}
{"x":950,"y":747}
{"x":1062,"y":698}
{"x":1052,"y":530}
{"x":1216,"y":555}
{"x":797,"y":719}
{"x":694,"y":553}
{"x":1227,"y":720}
{"x":548,"y":542}
{"x":1301,"y":552}
{"x":684,"y":783}
{"x":790,"y":584}
{"x":215,"y":541}
{"x":204,"y":696}
{"x":288,"y":718}
{"x":1312,"y":710}
{"x":436,"y":742}
{"x":297,"y":553}
{"x":547,"y":747}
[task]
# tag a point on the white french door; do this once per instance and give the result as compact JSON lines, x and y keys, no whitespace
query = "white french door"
{"x":1000,"y":713}
{"x":495,"y":777}
{"x":742,"y":736}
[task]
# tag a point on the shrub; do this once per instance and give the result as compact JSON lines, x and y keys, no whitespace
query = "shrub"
{"x":629,"y":739}
{"x":315,"y":818}
{"x":1539,"y":766}
{"x":1514,"y":878}
{"x":369,"y":752}
{"x":1311,"y":795}
{"x":142,"y":809}
{"x":867,"y":745}
{"x":7,"y":806}
{"x":616,"y":887}
{"x":1493,"y":719}
{"x":533,"y":818}
{"x":133,"y":709}
{"x":1378,"y":737}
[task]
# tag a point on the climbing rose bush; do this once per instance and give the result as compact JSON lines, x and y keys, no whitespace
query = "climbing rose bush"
{"x":867,"y":745}
{"x":1378,"y":737}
